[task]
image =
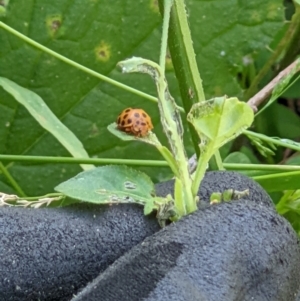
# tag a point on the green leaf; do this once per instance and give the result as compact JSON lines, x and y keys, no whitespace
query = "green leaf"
{"x":280,"y":181}
{"x":265,"y":148}
{"x":150,"y":138}
{"x":219,"y":120}
{"x":44,"y":116}
{"x":292,"y":90}
{"x":283,"y":85}
{"x":90,"y":33}
{"x":237,"y":157}
{"x":293,"y":160}
{"x":289,"y":125}
{"x":290,"y":201}
{"x":108,"y":185}
{"x":227,"y":36}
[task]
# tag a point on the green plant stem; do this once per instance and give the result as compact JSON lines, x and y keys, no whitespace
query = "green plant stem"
{"x":173,"y":127}
{"x":185,"y":66}
{"x":69,"y":160}
{"x":178,"y":198}
{"x":14,"y":184}
{"x":283,"y":176}
{"x":200,"y":171}
{"x":272,"y":140}
{"x":151,"y":163}
{"x":184,"y":204}
{"x":215,"y":163}
{"x":169,"y":158}
{"x":179,"y":16}
{"x":283,"y":44}
{"x":262,"y":167}
{"x":170,"y":120}
{"x":79,"y":66}
{"x":164,"y":38}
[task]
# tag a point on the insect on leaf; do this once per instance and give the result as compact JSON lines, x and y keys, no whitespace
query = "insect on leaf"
{"x":150,"y":138}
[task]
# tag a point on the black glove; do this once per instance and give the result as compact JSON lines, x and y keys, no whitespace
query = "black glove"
{"x":241,"y":250}
{"x":48,"y":253}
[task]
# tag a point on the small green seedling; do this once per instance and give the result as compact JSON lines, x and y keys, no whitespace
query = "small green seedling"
{"x":216,"y":122}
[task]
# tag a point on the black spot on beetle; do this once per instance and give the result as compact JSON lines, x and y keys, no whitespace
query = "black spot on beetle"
{"x":129,"y":121}
{"x":137,"y":115}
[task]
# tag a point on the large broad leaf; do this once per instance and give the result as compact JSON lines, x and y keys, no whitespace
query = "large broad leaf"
{"x":227,"y":36}
{"x":108,"y":185}
{"x":98,"y":34}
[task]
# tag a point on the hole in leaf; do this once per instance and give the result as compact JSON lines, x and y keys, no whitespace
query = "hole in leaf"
{"x":129,"y":185}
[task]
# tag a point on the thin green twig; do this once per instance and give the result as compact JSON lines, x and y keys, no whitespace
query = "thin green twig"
{"x":164,"y":38}
{"x":79,"y":66}
{"x":261,"y":167}
{"x":186,"y":68}
{"x":185,"y":34}
{"x":70,"y":160}
{"x":184,"y":62}
{"x":12,"y":181}
{"x":152,"y":163}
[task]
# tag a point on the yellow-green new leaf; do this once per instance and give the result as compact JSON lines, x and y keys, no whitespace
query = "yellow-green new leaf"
{"x":217,"y":121}
{"x":220,"y":120}
{"x":150,"y":139}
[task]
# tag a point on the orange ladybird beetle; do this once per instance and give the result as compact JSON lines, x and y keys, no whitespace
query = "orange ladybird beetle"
{"x":134,"y":121}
